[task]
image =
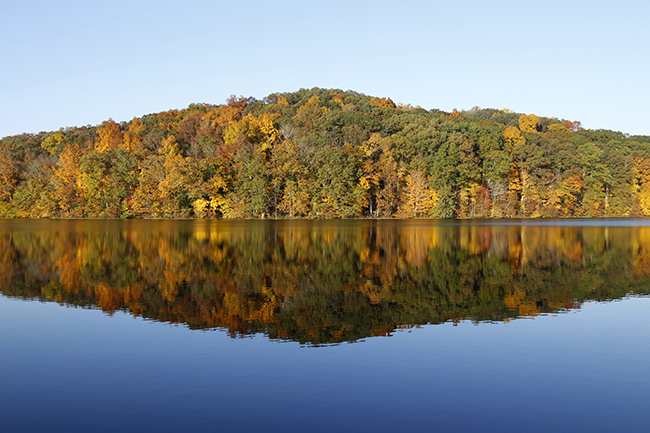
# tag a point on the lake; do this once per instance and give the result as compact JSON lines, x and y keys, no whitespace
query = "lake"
{"x":346,"y":325}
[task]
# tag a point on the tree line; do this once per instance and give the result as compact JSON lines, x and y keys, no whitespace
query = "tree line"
{"x":324,"y":153}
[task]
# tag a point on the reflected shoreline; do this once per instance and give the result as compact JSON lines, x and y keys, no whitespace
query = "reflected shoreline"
{"x":324,"y":281}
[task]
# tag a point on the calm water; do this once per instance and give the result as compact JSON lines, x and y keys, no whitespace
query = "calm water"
{"x":324,"y":325}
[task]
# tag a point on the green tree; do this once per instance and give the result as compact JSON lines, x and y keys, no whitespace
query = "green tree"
{"x":337,"y":193}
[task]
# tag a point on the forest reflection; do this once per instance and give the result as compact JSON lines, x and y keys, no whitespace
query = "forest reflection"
{"x":321,"y":282}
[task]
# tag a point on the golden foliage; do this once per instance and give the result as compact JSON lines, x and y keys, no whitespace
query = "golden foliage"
{"x":383,"y":102}
{"x":418,"y":198}
{"x":455,"y":114}
{"x":644,"y":199}
{"x":200,"y":205}
{"x":221,"y":117}
{"x":258,"y":130}
{"x":557,"y":127}
{"x":132,"y":141}
{"x":513,"y":137}
{"x":529,"y":123}
{"x":109,"y":136}
{"x":53,"y":142}
{"x":8,"y":171}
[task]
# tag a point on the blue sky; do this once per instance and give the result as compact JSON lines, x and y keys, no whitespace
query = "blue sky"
{"x":74,"y":63}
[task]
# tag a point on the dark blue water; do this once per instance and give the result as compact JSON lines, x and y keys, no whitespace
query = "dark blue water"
{"x":70,"y":369}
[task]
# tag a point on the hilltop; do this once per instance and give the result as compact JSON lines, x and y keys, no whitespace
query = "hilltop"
{"x":325,"y":153}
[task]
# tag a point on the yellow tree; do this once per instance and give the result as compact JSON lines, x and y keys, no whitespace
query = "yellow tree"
{"x":257,"y":130}
{"x":54,"y":143}
{"x":147,"y":198}
{"x":529,"y":123}
{"x":519,"y":181}
{"x":168,"y":120}
{"x":383,"y":102}
{"x":221,"y":117}
{"x":455,"y":114}
{"x":109,"y":136}
{"x":131,"y":139}
{"x":390,"y":176}
{"x":8,"y":171}
{"x":338,"y":98}
{"x":418,"y":198}
{"x":642,"y":183}
{"x":219,"y":186}
{"x":513,"y":137}
{"x":173,"y":188}
{"x":557,"y":127}
{"x":295,"y":201}
{"x":288,"y":180}
{"x":370,"y":152}
{"x":66,"y":179}
{"x":564,"y":198}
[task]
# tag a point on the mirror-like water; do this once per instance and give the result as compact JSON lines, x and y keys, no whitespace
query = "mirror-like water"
{"x":538,"y":325}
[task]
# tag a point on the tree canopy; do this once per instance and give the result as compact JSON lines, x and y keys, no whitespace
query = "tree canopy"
{"x":325,"y":153}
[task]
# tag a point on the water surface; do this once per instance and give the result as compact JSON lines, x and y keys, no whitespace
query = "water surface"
{"x":324,"y":325}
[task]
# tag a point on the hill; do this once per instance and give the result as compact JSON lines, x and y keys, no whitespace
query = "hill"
{"x":324,"y":153}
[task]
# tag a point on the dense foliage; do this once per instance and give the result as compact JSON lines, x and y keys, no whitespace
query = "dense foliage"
{"x":325,"y":154}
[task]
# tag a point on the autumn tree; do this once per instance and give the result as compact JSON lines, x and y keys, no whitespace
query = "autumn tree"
{"x":370,"y":153}
{"x":642,"y":183}
{"x":147,"y":199}
{"x":307,"y":115}
{"x":106,"y":179}
{"x":54,"y":143}
{"x":529,"y":123}
{"x":8,"y":172}
{"x":109,"y":136}
{"x":34,"y":195}
{"x":418,"y":198}
{"x":324,"y":153}
{"x":390,"y":178}
{"x":66,"y":181}
{"x":174,"y":186}
{"x":574,"y":126}
{"x":249,"y":198}
{"x":383,"y":102}
{"x":288,"y":180}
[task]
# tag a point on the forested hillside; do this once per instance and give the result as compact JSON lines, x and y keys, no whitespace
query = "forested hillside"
{"x":324,"y":153}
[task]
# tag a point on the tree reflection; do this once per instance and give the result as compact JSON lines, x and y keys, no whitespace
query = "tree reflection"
{"x":322,"y":282}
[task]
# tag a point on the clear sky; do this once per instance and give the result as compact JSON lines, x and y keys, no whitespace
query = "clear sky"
{"x":73,"y":63}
